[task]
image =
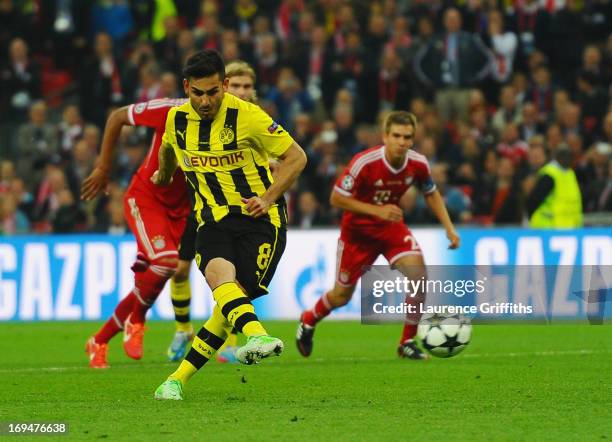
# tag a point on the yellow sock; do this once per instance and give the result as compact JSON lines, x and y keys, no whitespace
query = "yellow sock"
{"x":180,"y":293}
{"x":238,"y":310}
{"x":184,"y":372}
{"x":232,"y":340}
{"x":209,"y":339}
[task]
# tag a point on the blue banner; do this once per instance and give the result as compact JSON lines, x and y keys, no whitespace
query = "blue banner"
{"x":82,"y":277}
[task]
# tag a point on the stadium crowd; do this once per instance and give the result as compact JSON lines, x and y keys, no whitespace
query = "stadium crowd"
{"x":498,"y":87}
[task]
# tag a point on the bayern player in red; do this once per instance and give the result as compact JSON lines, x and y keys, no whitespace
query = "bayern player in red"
{"x":156,"y":216}
{"x":369,"y":191}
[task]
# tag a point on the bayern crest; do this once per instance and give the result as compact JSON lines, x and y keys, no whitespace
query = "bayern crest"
{"x":159,"y":242}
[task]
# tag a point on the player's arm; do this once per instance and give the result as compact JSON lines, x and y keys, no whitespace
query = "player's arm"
{"x":167,"y":165}
{"x":436,"y":205}
{"x":387,"y":212}
{"x":97,"y":181}
{"x":292,"y":162}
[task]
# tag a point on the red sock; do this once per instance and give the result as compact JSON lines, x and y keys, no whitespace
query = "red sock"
{"x":409,"y":332}
{"x":412,"y":320}
{"x":115,"y":323}
{"x":148,"y":287}
{"x":321,"y":309}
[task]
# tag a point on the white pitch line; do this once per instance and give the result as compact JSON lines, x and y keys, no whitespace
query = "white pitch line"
{"x":346,"y":359}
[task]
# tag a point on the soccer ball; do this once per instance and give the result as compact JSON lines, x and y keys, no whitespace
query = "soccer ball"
{"x":445,"y":336}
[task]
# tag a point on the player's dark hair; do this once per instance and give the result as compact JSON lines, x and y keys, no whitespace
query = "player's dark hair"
{"x":399,"y":117}
{"x":204,"y":63}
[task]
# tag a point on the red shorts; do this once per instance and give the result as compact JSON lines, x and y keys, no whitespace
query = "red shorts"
{"x":357,"y":250}
{"x":157,"y":234}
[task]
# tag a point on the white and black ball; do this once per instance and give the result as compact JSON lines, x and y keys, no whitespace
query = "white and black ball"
{"x":445,"y":336}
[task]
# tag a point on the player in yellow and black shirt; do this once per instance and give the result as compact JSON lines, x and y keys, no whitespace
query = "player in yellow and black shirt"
{"x":222,"y":144}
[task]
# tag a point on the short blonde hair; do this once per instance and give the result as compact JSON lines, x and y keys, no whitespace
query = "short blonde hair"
{"x":399,"y":117}
{"x":239,"y":68}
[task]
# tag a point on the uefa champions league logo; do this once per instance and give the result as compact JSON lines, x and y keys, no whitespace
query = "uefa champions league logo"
{"x":315,"y":279}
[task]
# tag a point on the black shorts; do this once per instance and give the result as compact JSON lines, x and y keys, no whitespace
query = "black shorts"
{"x":254,"y":246}
{"x":187,"y":248}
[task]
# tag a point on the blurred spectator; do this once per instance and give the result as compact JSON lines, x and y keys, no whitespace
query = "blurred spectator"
{"x":345,"y":128}
{"x":149,"y":87}
{"x":530,"y":23}
{"x":554,"y":138}
{"x":593,"y":102}
{"x":452,"y":62}
{"x":400,"y":39}
{"x":117,"y":225}
{"x":309,"y":213}
{"x":91,"y":134}
{"x":46,"y":200}
{"x":12,"y":24}
{"x":113,"y":19}
{"x":37,"y":142}
{"x":267,"y":62}
{"x":506,"y":207}
{"x":167,"y":48}
{"x":607,"y":129}
{"x":23,"y":198}
{"x":537,"y":156}
{"x":12,"y":220}
{"x":20,"y":83}
{"x":503,"y":45}
{"x":394,"y":85}
{"x":302,"y":129}
{"x":100,"y":85}
{"x":70,"y":129}
{"x":521,"y":87}
{"x":7,"y":173}
{"x":511,"y":146}
{"x":69,"y":216}
{"x":595,"y":175}
{"x":457,"y":203}
{"x":80,"y":165}
{"x":169,"y":86}
{"x":509,"y":110}
{"x":289,"y":97}
{"x":530,"y":125}
{"x":570,"y":120}
{"x":542,"y":92}
{"x":555,"y":201}
{"x":592,"y":63}
{"x":287,"y":18}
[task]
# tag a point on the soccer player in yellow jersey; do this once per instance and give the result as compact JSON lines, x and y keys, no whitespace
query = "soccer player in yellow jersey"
{"x":222,"y":144}
{"x":239,"y":81}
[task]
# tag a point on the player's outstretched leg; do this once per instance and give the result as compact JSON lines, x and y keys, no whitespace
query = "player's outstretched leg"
{"x":337,"y":297}
{"x":148,"y":286}
{"x":209,"y":339}
{"x":412,"y":266}
{"x":236,"y":307}
{"x":97,"y":345}
{"x":180,"y":293}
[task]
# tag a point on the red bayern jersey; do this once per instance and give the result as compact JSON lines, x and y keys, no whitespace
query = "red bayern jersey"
{"x":153,"y":114}
{"x":370,"y":178}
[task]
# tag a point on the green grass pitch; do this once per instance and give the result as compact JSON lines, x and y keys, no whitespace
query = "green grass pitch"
{"x":513,"y":382}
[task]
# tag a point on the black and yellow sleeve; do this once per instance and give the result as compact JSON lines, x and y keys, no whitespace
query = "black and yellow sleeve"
{"x":267,"y":133}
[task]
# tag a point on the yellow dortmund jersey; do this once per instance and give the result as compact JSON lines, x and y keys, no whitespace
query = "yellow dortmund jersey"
{"x":226,"y":159}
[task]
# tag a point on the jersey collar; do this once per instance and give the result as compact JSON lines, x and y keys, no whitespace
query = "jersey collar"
{"x":389,"y":166}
